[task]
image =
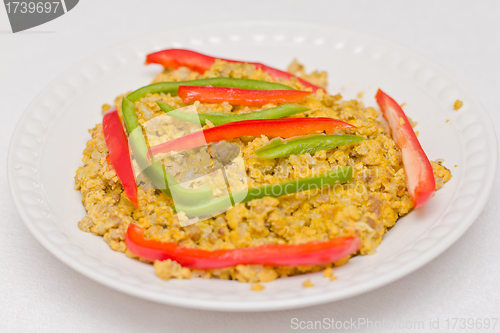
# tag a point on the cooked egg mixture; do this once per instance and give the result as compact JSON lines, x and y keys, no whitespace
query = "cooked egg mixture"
{"x":366,"y":207}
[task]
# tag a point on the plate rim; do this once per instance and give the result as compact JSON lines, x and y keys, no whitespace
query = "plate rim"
{"x":264,"y":305}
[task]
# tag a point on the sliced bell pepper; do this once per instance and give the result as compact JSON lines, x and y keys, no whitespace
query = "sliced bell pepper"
{"x":305,"y":254}
{"x":235,"y":96}
{"x":171,"y":87}
{"x":119,"y":155}
{"x":285,"y":128}
{"x":218,"y":205}
{"x":307,"y":144}
{"x":175,"y":58}
{"x":219,"y":118}
{"x":418,"y":170}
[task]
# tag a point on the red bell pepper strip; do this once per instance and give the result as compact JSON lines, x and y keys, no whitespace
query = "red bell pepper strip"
{"x":175,"y":58}
{"x":418,"y":170}
{"x":285,"y":128}
{"x":306,"y":254}
{"x":119,"y":154}
{"x":235,"y":96}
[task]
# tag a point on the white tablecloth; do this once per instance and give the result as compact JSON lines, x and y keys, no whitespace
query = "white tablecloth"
{"x":38,"y":293}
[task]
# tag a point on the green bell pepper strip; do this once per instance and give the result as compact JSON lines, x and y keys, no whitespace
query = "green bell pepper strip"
{"x":155,"y":171}
{"x":337,"y":176}
{"x":218,"y":118}
{"x":171,"y":87}
{"x":305,"y":144}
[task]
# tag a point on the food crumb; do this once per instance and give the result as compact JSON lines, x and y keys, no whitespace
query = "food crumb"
{"x":416,"y":133}
{"x":257,"y":287}
{"x":209,"y":123}
{"x":401,"y":121}
{"x":341,"y":262}
{"x":105,"y":107}
{"x":458,"y":104}
{"x":402,"y":105}
{"x":337,"y":97}
{"x":168,"y":269}
{"x":412,"y":123}
{"x":447,"y":121}
{"x":456,"y":165}
{"x":307,"y":284}
{"x":361,"y":94}
{"x":329,"y":274}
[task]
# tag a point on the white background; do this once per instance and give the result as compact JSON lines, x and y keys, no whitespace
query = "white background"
{"x":38,"y":293}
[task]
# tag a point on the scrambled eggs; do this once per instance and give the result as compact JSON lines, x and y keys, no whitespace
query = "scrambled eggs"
{"x":366,"y":207}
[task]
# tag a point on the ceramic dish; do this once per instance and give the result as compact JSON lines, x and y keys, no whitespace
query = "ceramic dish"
{"x":46,"y":150}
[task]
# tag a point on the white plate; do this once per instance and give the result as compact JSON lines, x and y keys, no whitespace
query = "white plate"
{"x":48,"y":142}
